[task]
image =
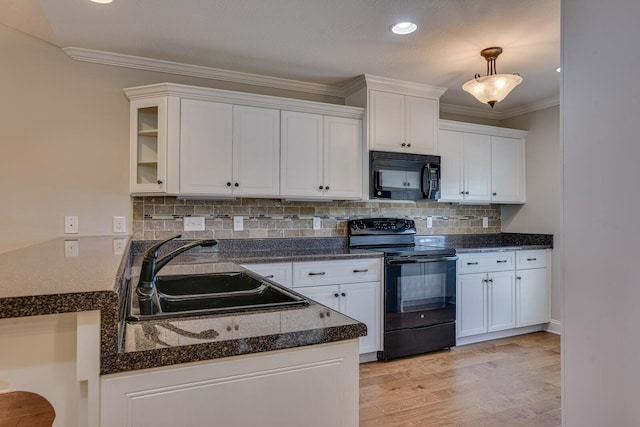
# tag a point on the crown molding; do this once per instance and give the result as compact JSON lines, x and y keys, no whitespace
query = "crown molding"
{"x":158,"y":65}
{"x":497,"y":115}
{"x":470,"y":111}
{"x":482,"y":129}
{"x":530,"y":108}
{"x":397,"y":86}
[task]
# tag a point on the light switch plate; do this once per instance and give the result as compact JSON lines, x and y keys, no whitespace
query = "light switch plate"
{"x":485,"y":222}
{"x":71,"y":225}
{"x":193,"y":223}
{"x":317,"y":223}
{"x":429,"y":222}
{"x":71,"y":248}
{"x":119,"y":224}
{"x":119,"y":245}
{"x":238,"y":223}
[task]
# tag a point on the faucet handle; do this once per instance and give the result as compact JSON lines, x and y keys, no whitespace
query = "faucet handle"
{"x":152,"y":252}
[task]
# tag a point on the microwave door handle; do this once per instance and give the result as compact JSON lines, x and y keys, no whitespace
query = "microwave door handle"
{"x":426,"y":184}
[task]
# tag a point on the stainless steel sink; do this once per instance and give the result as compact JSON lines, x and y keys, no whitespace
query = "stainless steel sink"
{"x":201,"y":294}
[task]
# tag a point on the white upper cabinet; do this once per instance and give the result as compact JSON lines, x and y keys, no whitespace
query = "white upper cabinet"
{"x":205,"y":147}
{"x":508,"y":170}
{"x":228,"y":149}
{"x":401,"y":116}
{"x":195,"y":141}
{"x":321,"y":156}
{"x":465,"y":167}
{"x":153,"y":168}
{"x":482,"y":164}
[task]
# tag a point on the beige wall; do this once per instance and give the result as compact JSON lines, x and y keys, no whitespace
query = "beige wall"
{"x":543,"y":211}
{"x":64,"y":129}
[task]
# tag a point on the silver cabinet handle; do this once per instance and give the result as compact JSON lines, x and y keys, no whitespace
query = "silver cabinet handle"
{"x":500,"y":261}
{"x":532,"y":259}
{"x":404,"y":144}
{"x":472,"y":263}
{"x":322,"y":273}
{"x":491,"y":280}
{"x":519,"y":277}
{"x":159,"y":181}
{"x":361,"y":271}
{"x":269,"y":276}
{"x":336,"y":295}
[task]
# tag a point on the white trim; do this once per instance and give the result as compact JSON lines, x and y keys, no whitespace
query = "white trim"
{"x":158,"y":65}
{"x":242,"y":98}
{"x":554,"y":327}
{"x":482,"y":129}
{"x":499,"y":334}
{"x":496,"y":115}
{"x":378,"y":83}
{"x":470,"y":112}
{"x":392,"y":85}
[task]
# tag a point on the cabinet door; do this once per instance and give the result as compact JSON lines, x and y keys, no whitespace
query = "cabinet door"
{"x":205,"y":147}
{"x":301,"y":155}
{"x":471,"y":306}
{"x":279,"y":272}
{"x":256,"y":151}
{"x":361,"y":301}
{"x":450,"y":149}
{"x":421,"y":125}
{"x":386,"y":121}
{"x":325,"y":295}
{"x":342,"y":157}
{"x":148,"y":145}
{"x":507,"y":170}
{"x":501,"y":300}
{"x":532,"y":296}
{"x":477,"y":167}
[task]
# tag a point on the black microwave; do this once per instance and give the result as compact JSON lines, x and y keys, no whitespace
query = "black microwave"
{"x":403,"y":176}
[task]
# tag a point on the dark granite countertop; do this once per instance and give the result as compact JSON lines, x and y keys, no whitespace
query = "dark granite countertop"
{"x":47,"y":279}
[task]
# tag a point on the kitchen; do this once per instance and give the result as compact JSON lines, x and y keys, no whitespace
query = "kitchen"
{"x":56,"y":136}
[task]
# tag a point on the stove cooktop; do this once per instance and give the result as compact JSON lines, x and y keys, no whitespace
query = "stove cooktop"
{"x":413,"y":251}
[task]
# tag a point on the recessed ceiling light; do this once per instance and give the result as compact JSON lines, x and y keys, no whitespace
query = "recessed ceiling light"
{"x":403,"y":28}
{"x":102,"y":1}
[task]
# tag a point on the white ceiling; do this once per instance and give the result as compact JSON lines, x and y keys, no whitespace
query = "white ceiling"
{"x":319,"y":41}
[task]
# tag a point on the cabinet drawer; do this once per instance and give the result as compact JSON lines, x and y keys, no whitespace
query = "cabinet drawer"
{"x":485,"y":262}
{"x":335,"y":272}
{"x":279,"y":272}
{"x":531,"y":259}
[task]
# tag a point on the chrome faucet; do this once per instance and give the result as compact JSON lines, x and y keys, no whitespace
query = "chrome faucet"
{"x":146,"y":289}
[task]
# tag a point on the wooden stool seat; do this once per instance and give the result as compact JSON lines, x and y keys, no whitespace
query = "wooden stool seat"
{"x":22,"y":409}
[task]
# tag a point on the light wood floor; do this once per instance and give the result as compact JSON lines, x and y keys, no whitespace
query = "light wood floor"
{"x":508,"y":382}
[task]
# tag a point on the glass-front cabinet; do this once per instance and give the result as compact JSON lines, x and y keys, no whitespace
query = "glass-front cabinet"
{"x":151,"y":134}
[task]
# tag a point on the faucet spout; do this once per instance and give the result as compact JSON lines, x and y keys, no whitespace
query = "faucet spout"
{"x":146,"y":289}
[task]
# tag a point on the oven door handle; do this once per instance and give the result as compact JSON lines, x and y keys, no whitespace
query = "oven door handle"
{"x":421,"y":260}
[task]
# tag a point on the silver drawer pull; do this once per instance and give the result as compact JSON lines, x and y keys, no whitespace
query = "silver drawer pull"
{"x":322,"y":273}
{"x":269,"y":276}
{"x":361,"y":271}
{"x":501,"y":261}
{"x":532,"y":259}
{"x":472,"y":263}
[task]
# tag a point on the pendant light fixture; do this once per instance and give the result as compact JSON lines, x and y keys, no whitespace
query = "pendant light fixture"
{"x":493,"y":87}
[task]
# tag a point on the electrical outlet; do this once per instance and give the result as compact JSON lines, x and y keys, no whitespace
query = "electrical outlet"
{"x":485,"y":222}
{"x":119,"y":245}
{"x":193,"y":223}
{"x":119,"y":224}
{"x":71,"y":248}
{"x":238,"y":223}
{"x":429,"y":222}
{"x":71,"y":225}
{"x":317,"y":223}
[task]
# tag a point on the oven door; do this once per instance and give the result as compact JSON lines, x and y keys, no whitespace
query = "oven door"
{"x":419,"y":292}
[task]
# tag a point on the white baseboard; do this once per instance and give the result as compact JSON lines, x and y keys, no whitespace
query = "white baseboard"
{"x":554,"y":327}
{"x":368,"y":357}
{"x":499,"y":334}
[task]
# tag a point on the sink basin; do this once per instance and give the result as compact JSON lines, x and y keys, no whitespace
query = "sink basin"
{"x":199,"y":294}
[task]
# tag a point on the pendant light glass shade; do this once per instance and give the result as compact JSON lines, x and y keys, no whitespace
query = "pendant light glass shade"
{"x":493,"y":87}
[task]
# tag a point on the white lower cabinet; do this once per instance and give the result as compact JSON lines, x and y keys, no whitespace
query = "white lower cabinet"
{"x":351,"y":287}
{"x":311,"y":386}
{"x":486,"y":303}
{"x":497,"y":292}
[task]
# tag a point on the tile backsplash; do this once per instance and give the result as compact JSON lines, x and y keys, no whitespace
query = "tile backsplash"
{"x":157,"y":218}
